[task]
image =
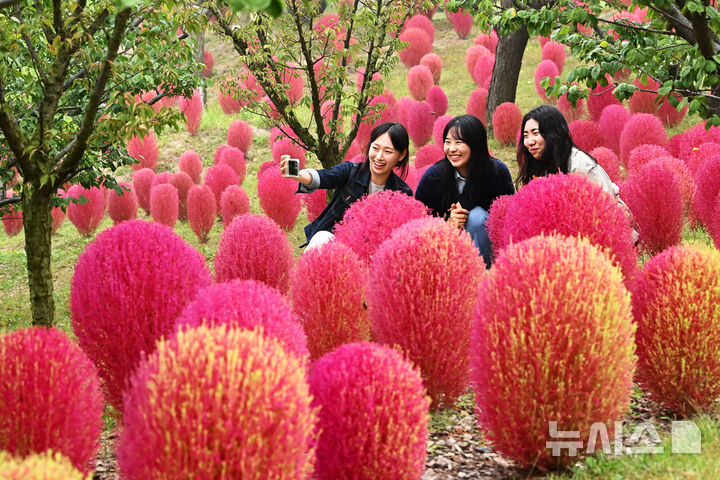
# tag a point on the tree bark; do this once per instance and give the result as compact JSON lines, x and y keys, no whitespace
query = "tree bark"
{"x":37,"y":222}
{"x":506,"y":72}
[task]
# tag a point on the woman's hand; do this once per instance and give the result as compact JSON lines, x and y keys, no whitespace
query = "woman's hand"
{"x":458,"y":215}
{"x":302,"y":177}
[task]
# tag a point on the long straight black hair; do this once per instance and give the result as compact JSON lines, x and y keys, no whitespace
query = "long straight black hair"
{"x":471,"y":131}
{"x":558,"y":145}
{"x":400,"y":140}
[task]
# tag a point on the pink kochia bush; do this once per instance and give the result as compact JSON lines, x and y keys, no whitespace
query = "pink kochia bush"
{"x":240,"y":135}
{"x":13,"y":221}
{"x":506,"y":121}
{"x":182,"y":183}
{"x":254,"y":247}
{"x":586,"y":134}
{"x":144,"y":150}
{"x":369,"y":221}
{"x":420,"y":121}
{"x":556,"y":52}
{"x":86,"y":217}
{"x":643,"y":154}
{"x":315,"y":203}
{"x":246,"y":304}
{"x":427,"y":155}
{"x":424,"y":281}
{"x":608,"y":161}
{"x":419,"y":44}
{"x":218,"y":177}
{"x":148,"y":276}
{"x":419,"y":81}
{"x":434,"y":62}
{"x":641,"y":128}
{"x":601,"y":97}
{"x":193,"y":110}
{"x":676,"y":303}
{"x":142,"y":181}
{"x":327,"y":288}
{"x":477,"y":103}
{"x":39,"y":466}
{"x":611,"y":121}
{"x":461,"y":21}
{"x":552,"y":331}
{"x":422,"y":22}
{"x":201,"y":211}
{"x":570,"y":205}
{"x":50,"y":397}
{"x":659,"y":217}
{"x":438,"y":101}
{"x":191,"y":164}
{"x":546,"y":68}
{"x":483,"y":71}
{"x":218,"y":403}
{"x":235,"y":159}
{"x":234,"y":201}
{"x":707,"y":191}
{"x":123,"y":206}
{"x":278,"y":198}
{"x":164,"y":205}
{"x":385,"y":435}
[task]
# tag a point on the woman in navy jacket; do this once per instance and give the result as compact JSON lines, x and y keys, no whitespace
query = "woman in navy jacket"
{"x":387,"y":149}
{"x":462,"y":186}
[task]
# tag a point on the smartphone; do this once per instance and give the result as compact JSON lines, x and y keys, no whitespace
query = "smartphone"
{"x":293,"y":167}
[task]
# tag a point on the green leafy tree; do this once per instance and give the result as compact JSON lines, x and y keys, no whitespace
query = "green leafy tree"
{"x":68,"y":75}
{"x":675,"y":43}
{"x":273,"y":51}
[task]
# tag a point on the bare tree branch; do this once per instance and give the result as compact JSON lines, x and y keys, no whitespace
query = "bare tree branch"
{"x":9,"y":201}
{"x":9,"y":125}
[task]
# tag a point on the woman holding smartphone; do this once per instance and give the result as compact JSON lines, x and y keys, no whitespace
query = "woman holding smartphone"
{"x":387,"y":149}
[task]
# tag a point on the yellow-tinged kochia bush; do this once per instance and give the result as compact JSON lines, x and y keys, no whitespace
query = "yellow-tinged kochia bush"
{"x":39,"y":466}
{"x":552,"y":340}
{"x":218,"y":403}
{"x":676,"y":303}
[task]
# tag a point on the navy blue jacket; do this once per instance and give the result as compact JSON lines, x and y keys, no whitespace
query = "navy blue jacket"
{"x":430,"y":190}
{"x":350,"y":183}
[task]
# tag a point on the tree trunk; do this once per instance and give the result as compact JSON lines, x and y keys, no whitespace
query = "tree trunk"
{"x":200,"y":57}
{"x":508,"y":60}
{"x":37,"y":221}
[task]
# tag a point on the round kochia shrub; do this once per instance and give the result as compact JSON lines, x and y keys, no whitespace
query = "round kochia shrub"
{"x":506,"y":121}
{"x":437,"y":100}
{"x":553,"y":332}
{"x":234,"y":158}
{"x":611,"y":121}
{"x":327,"y":288}
{"x":144,"y":150}
{"x":123,"y":206}
{"x":164,"y":204}
{"x":373,"y":417}
{"x":641,"y":128}
{"x":246,"y":304}
{"x":193,"y":109}
{"x":461,"y":21}
{"x":419,"y":81}
{"x":182,"y":183}
{"x":254,"y":247}
{"x":434,"y":62}
{"x":607,"y":159}
{"x":86,"y":217}
{"x":142,"y":181}
{"x":50,"y":397}
{"x":570,"y":205}
{"x":427,"y":155}
{"x":240,"y":135}
{"x":218,"y":403}
{"x":12,"y":221}
{"x":477,"y":103}
{"x":419,"y":44}
{"x":369,"y":221}
{"x":586,"y":134}
{"x":278,"y":198}
{"x":218,"y":177}
{"x":191,"y":163}
{"x":424,"y":281}
{"x":148,"y":276}
{"x":234,"y":201}
{"x":39,"y":466}
{"x":201,"y":211}
{"x":420,"y":121}
{"x":676,"y":303}
{"x":546,"y":68}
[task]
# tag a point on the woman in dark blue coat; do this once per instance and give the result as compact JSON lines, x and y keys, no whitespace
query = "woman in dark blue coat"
{"x":387,"y":149}
{"x":462,"y":186}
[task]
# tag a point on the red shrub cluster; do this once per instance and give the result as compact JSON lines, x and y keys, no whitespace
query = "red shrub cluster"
{"x":278,"y":198}
{"x":608,"y":161}
{"x":556,"y":52}
{"x":461,"y":21}
{"x":285,"y":146}
{"x":142,"y":181}
{"x":586,"y":134}
{"x":193,"y":110}
{"x":182,"y":183}
{"x":246,"y":304}
{"x":644,"y":102}
{"x":506,"y":122}
{"x":401,"y":114}
{"x":369,"y":221}
{"x":218,"y":177}
{"x":327,"y":290}
{"x":483,"y":71}
{"x":240,"y":135}
{"x":50,"y":397}
{"x":477,"y":104}
{"x":707,"y":191}
{"x":700,"y":154}
{"x":226,"y":97}
{"x":144,"y":150}
{"x":438,"y":101}
{"x":600,"y":97}
{"x":427,"y":155}
{"x":235,"y":159}
{"x":424,"y":281}
{"x":213,"y":400}
{"x":611,"y":121}
{"x":472,"y":55}
{"x":254,"y":247}
{"x":315,"y":203}
{"x":13,"y":221}
{"x":569,"y":111}
{"x":419,"y":80}
{"x":164,"y":204}
{"x":641,"y":128}
{"x":676,"y":306}
{"x":642,"y":154}
{"x":560,"y":353}
{"x":201,"y":211}
{"x":488,"y":40}
{"x":386,"y":434}
{"x":209,"y":63}
{"x":419,"y":44}
{"x":38,"y":466}
{"x":86,"y":217}
{"x":439,"y":128}
{"x":149,"y":275}
{"x":123,"y":207}
{"x":546,"y":68}
{"x":669,"y":115}
{"x":435,"y":64}
{"x":58,"y":216}
{"x":420,"y":121}
{"x":191,"y":164}
{"x":423,"y":23}
{"x":234,"y":201}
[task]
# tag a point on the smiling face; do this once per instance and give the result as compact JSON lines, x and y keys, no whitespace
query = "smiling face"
{"x":532,"y":139}
{"x":458,"y":152}
{"x":382,"y":158}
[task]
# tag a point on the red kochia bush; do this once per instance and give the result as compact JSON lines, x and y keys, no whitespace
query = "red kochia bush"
{"x":608,"y":161}
{"x":142,"y":181}
{"x":707,"y":189}
{"x":149,"y":275}
{"x":386,"y":434}
{"x":191,"y":164}
{"x":601,"y":97}
{"x":234,"y":201}
{"x":164,"y":204}
{"x":642,"y":154}
{"x":483,"y":71}
{"x":218,"y":177}
{"x":419,"y":81}
{"x":700,"y":154}
{"x":246,"y":304}
{"x":235,"y":159}
{"x":644,"y":102}
{"x":569,"y":111}
{"x":461,"y":21}
{"x":659,"y":218}
{"x":436,"y":98}
{"x":552,"y":331}
{"x":611,"y":121}
{"x":669,"y":115}
{"x":506,"y":121}
{"x":472,"y":55}
{"x":369,"y":221}
{"x":424,"y":281}
{"x":420,"y":120}
{"x":676,"y":303}
{"x":50,"y":397}
{"x":122,"y":207}
{"x":278,"y":198}
{"x":58,"y":216}
{"x":13,"y":221}
{"x":182,"y":183}
{"x":193,"y":110}
{"x":209,"y":62}
{"x":586,"y":134}
{"x":86,"y":217}
{"x":240,"y":135}
{"x":434,"y":62}
{"x":144,"y":150}
{"x":477,"y":103}
{"x":570,"y":205}
{"x":556,"y":52}
{"x":439,"y":128}
{"x":285,"y":146}
{"x":422,"y":22}
{"x":327,"y":289}
{"x":427,"y":155}
{"x":39,"y":466}
{"x":218,"y":403}
{"x":488,"y":40}
{"x":254,"y":247}
{"x":641,"y":128}
{"x":201,"y":211}
{"x":546,"y":68}
{"x":419,"y":44}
